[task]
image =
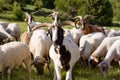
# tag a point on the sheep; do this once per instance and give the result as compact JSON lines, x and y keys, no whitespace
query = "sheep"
{"x":101,"y":50}
{"x":86,"y":27}
{"x":13,"y":54}
{"x":89,"y":43}
{"x":14,"y":30}
{"x":39,"y":46}
{"x":113,"y":53}
{"x":114,"y":33}
{"x":4,"y":36}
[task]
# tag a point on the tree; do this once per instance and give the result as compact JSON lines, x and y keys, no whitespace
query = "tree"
{"x":116,"y":6}
{"x":48,"y":4}
{"x":100,"y":8}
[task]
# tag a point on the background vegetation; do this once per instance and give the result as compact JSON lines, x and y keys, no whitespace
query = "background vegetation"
{"x":106,"y":10}
{"x":11,"y":11}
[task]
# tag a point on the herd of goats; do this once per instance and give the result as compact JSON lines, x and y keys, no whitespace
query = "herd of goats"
{"x":64,"y":47}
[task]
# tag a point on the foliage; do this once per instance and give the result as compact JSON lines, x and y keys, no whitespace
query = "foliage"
{"x":100,"y":8}
{"x":38,"y":3}
{"x":17,"y":12}
{"x":5,"y":5}
{"x":48,"y":4}
{"x":116,"y":9}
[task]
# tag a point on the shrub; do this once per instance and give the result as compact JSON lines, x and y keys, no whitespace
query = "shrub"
{"x":17,"y":12}
{"x":38,"y":4}
{"x":100,"y":8}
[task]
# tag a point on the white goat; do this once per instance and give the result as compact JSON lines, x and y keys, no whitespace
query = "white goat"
{"x":89,"y":43}
{"x":113,"y":53}
{"x":76,"y":34}
{"x":30,"y":25}
{"x":102,"y":49}
{"x":14,"y":30}
{"x":30,"y":21}
{"x":13,"y":54}
{"x":39,"y":46}
{"x":39,"y":43}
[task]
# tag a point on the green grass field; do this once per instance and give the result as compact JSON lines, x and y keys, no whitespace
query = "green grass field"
{"x":80,"y":71}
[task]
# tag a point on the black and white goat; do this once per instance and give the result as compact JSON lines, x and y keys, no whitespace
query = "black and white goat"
{"x":63,"y":51}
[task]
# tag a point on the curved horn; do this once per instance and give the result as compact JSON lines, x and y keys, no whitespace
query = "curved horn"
{"x":35,"y":12}
{"x":78,"y":17}
{"x":87,"y":16}
{"x":67,"y":23}
{"x":50,"y":15}
{"x":76,"y":22}
{"x":41,"y":25}
{"x":26,"y":13}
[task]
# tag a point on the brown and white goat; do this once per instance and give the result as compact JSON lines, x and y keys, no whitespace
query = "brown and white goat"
{"x":86,"y":27}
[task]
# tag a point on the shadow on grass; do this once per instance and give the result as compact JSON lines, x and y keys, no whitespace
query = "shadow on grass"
{"x":116,"y":24}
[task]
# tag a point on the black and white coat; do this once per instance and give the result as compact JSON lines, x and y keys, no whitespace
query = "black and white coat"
{"x":63,"y":52}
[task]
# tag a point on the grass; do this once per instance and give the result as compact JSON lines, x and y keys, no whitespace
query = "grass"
{"x":80,"y":71}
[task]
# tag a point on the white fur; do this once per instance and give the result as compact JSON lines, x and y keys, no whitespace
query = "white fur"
{"x":76,"y":34}
{"x":4,"y":24}
{"x":5,"y":35}
{"x":89,"y":43}
{"x":13,"y":54}
{"x":73,"y":49}
{"x":103,"y":47}
{"x":113,"y":53}
{"x":14,"y":30}
{"x":114,"y":33}
{"x":39,"y":43}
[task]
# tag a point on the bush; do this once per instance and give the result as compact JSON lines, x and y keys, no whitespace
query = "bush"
{"x":17,"y":12}
{"x":38,"y":4}
{"x":100,"y":8}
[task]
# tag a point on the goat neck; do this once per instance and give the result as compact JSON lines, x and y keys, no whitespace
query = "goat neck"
{"x":55,"y":22}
